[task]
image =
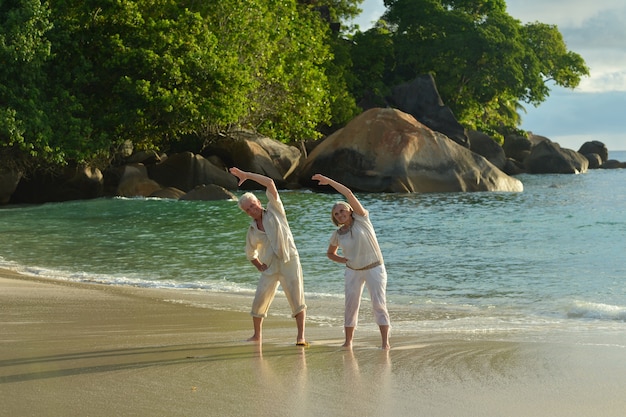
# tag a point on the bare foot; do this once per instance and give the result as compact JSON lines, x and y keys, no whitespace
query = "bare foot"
{"x":385,"y":347}
{"x":347,"y":345}
{"x":255,"y":339}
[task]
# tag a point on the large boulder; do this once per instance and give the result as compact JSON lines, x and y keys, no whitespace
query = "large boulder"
{"x":9,"y":178}
{"x":484,"y":145}
{"x":513,"y":167}
{"x":421,"y":99}
{"x":595,"y":160}
{"x":595,"y":147}
{"x":134,"y":182}
{"x":72,"y":182}
{"x":386,"y":150}
{"x":613,"y":164}
{"x":186,"y":170}
{"x":517,"y":147}
{"x":84,"y":182}
{"x":168,"y":193}
{"x":253,"y":152}
{"x":547,"y":157}
{"x":209,"y":192}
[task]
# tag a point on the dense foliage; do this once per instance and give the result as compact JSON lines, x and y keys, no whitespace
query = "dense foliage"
{"x":24,"y":113}
{"x":78,"y":78}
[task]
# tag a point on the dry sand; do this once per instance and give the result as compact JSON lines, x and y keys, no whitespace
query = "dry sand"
{"x":69,"y":349}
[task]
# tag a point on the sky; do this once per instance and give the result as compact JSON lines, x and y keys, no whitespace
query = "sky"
{"x":596,"y":30}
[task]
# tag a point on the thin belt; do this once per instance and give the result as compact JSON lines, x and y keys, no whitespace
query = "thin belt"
{"x":366,"y":267}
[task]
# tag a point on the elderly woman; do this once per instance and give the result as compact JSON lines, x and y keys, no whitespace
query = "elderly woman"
{"x":271,"y":249}
{"x":356,"y":237}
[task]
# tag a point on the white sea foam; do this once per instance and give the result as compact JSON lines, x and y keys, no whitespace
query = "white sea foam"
{"x":222,"y":286}
{"x":597,"y":311}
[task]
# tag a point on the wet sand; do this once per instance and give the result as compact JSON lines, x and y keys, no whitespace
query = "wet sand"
{"x":70,"y":349}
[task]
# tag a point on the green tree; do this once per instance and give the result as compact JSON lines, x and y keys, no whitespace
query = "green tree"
{"x":24,"y":125}
{"x":154,"y":71}
{"x":282,"y":49}
{"x":484,"y":61}
{"x":373,"y":59}
{"x":341,"y":79}
{"x":140,"y":70}
{"x":338,"y":10}
{"x":80,"y":77}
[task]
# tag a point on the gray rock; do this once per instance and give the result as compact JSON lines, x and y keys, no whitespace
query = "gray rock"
{"x":209,"y":192}
{"x":596,"y":147}
{"x":386,"y":150}
{"x":186,"y":170}
{"x":420,"y":98}
{"x":548,"y":157}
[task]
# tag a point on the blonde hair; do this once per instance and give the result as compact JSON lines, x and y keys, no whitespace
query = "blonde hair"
{"x":337,"y":204}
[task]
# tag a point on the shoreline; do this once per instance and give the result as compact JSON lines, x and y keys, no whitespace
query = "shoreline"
{"x":101,"y":350}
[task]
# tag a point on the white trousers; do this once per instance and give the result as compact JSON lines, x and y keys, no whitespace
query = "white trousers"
{"x":289,"y":276}
{"x":376,"y":281}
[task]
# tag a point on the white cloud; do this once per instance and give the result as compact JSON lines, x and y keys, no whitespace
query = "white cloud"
{"x":593,"y":29}
{"x":372,"y":11}
{"x":603,"y":80}
{"x":571,"y":13}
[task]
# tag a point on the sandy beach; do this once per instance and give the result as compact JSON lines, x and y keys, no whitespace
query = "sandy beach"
{"x":70,"y":349}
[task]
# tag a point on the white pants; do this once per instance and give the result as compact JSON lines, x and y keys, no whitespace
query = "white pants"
{"x":376,"y":281}
{"x":289,"y":276}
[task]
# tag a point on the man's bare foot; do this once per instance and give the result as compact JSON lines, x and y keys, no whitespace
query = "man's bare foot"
{"x":385,"y":347}
{"x":347,"y":345}
{"x":255,"y":339}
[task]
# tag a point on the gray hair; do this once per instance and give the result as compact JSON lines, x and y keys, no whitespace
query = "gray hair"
{"x":245,"y":198}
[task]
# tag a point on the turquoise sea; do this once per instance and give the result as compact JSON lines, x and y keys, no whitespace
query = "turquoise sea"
{"x":547,"y":261}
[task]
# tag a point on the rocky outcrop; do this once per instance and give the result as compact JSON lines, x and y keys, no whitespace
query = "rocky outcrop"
{"x":381,"y":150}
{"x":208,"y":193}
{"x":255,"y":153}
{"x":595,"y":160}
{"x":134,"y":182}
{"x":613,"y":164}
{"x":74,"y":182}
{"x":170,"y":193}
{"x":595,"y":147}
{"x":386,"y":150}
{"x":537,"y":154}
{"x":485,"y":146}
{"x":517,"y":147}
{"x":548,"y":157}
{"x":186,"y":171}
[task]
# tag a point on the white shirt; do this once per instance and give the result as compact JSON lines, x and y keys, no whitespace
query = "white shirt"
{"x":276,"y":242}
{"x":358,"y":244}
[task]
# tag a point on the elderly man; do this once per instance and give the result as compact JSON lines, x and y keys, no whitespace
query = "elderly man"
{"x":271,"y":249}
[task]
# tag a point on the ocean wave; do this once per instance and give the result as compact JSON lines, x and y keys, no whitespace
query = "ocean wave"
{"x":596,"y":311}
{"x":215,"y":286}
{"x":222,"y":286}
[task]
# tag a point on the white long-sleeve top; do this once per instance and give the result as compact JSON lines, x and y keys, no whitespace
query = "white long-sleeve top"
{"x":276,"y":241}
